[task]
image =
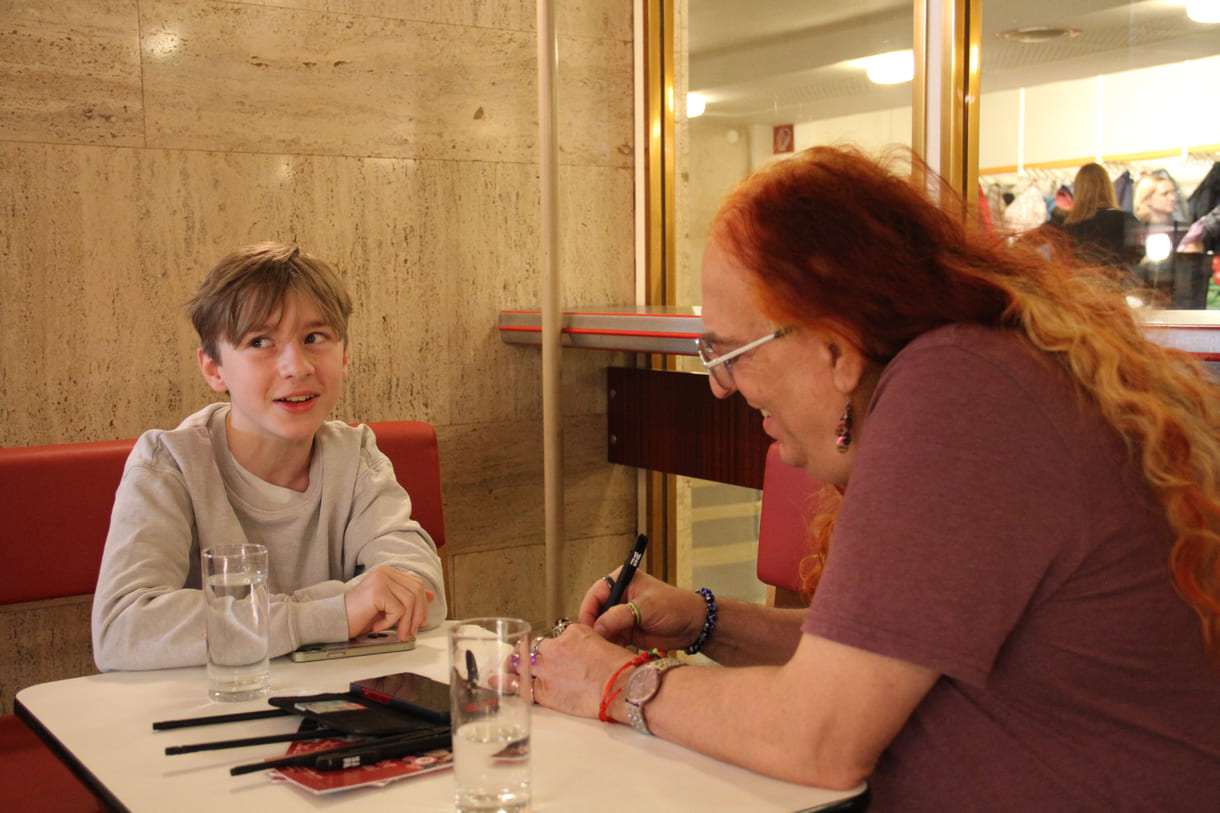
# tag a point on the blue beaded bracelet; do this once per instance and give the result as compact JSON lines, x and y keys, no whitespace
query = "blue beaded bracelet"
{"x":709,"y":623}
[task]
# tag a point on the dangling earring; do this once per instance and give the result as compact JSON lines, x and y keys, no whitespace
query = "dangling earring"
{"x":843,"y":430}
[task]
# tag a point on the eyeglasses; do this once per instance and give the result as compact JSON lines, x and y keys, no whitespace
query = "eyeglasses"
{"x":721,"y":367}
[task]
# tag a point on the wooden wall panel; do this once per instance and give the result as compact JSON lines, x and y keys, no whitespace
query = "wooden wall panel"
{"x":671,"y":422}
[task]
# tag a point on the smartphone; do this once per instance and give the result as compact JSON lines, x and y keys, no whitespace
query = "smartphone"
{"x":369,"y":644}
{"x":419,"y":695}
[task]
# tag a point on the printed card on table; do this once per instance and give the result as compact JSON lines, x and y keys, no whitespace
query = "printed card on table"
{"x":375,"y":775}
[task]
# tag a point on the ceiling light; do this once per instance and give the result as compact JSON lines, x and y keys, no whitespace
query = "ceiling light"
{"x":891,"y":68}
{"x":696,"y":103}
{"x":1038,"y":33}
{"x":1203,"y":11}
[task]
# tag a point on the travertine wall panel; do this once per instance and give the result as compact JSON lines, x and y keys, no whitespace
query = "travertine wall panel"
{"x":496,"y":494}
{"x":609,"y":19}
{"x":41,"y":638}
{"x":232,"y":76}
{"x":486,"y":577}
{"x":140,"y":140}
{"x":282,"y":80}
{"x":71,"y":72}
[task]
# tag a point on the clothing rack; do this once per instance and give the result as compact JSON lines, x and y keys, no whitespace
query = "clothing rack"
{"x":1031,"y":175}
{"x":1196,"y":155}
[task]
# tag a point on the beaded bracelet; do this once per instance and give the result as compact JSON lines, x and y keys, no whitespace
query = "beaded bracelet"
{"x":607,"y":697}
{"x":709,"y":623}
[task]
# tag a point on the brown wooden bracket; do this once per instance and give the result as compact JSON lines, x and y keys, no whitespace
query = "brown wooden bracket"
{"x":670,"y":422}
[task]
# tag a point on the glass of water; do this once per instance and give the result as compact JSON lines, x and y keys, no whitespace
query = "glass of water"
{"x":490,"y":701}
{"x":237,"y":609}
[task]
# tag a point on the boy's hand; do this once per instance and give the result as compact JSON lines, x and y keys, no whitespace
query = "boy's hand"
{"x":387,"y":598}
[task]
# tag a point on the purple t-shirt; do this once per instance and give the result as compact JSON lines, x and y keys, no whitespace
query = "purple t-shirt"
{"x":995,"y":531}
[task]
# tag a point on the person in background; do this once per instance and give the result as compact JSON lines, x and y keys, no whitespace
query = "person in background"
{"x":1100,"y":232}
{"x":265,"y":467}
{"x":1175,"y":280}
{"x":1017,"y":605}
{"x":1155,"y":200}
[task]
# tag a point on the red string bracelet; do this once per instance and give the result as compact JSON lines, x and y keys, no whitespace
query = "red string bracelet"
{"x":607,"y":697}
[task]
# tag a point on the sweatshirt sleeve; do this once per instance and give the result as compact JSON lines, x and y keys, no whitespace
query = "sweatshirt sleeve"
{"x":144,"y":616}
{"x":381,"y":530}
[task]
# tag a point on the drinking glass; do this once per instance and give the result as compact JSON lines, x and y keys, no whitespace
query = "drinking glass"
{"x":237,"y":609}
{"x":490,"y":698}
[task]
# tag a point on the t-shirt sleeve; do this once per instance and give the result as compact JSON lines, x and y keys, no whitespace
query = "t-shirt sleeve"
{"x":960,"y":497}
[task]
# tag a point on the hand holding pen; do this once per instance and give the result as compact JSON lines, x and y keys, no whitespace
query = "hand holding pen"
{"x":657,"y":615}
{"x":600,"y":599}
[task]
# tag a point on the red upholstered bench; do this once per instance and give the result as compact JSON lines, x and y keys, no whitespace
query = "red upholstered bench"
{"x":56,"y":502}
{"x":57,"y":509}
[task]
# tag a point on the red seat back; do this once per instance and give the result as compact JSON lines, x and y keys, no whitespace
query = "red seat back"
{"x":790,"y":501}
{"x":57,"y":502}
{"x":412,"y":448}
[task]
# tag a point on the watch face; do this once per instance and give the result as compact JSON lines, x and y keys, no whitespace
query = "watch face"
{"x":643,"y":684}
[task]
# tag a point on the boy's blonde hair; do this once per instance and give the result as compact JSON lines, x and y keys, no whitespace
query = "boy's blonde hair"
{"x":247,"y":288}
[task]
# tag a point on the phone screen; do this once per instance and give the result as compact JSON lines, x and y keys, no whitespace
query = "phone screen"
{"x":408,"y":691}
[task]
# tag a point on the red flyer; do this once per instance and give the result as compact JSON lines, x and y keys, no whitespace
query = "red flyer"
{"x":375,"y":775}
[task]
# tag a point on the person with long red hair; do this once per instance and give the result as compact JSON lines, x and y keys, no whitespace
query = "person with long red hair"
{"x":1017,"y":604}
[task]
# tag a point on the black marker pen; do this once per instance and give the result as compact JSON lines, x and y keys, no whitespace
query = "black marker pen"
{"x":619,"y":589}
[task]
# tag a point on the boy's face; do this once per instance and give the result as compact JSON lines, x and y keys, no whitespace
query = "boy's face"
{"x":283,"y":378}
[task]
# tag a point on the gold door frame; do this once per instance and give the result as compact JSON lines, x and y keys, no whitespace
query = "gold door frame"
{"x":945,"y":92}
{"x":660,"y":244}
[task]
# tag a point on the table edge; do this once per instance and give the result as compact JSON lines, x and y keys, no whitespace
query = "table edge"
{"x":65,"y":756}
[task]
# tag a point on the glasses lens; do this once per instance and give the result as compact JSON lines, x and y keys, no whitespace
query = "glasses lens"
{"x":722,"y":373}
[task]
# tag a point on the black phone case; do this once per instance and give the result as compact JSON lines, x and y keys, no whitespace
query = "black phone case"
{"x":350,"y":713}
{"x":409,"y":692}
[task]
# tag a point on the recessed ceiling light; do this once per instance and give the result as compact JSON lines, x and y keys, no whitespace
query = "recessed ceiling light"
{"x":1038,"y":33}
{"x":1203,"y":11}
{"x":891,"y":68}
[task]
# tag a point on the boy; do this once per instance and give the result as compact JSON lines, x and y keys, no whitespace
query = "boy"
{"x":266,"y":467}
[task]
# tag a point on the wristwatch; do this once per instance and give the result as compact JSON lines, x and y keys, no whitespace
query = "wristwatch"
{"x":642,"y":686}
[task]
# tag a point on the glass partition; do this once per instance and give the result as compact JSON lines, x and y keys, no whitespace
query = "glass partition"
{"x":1115,"y":84}
{"x":755,"y":82}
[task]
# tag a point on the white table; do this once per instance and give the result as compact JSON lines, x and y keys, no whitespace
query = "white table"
{"x":103,"y":724}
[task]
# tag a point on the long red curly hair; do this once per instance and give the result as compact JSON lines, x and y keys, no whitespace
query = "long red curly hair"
{"x":878,"y":246}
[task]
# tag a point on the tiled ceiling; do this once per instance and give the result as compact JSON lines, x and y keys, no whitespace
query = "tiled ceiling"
{"x":769,"y":61}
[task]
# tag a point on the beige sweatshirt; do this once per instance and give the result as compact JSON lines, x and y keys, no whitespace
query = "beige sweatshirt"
{"x":182,"y":491}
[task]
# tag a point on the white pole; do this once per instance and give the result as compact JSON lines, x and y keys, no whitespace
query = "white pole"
{"x":1099,"y":131}
{"x":1021,"y":133}
{"x":552,"y":309}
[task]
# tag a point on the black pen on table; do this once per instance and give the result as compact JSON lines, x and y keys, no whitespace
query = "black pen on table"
{"x":619,"y":588}
{"x":378,"y":752}
{"x":358,"y":753}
